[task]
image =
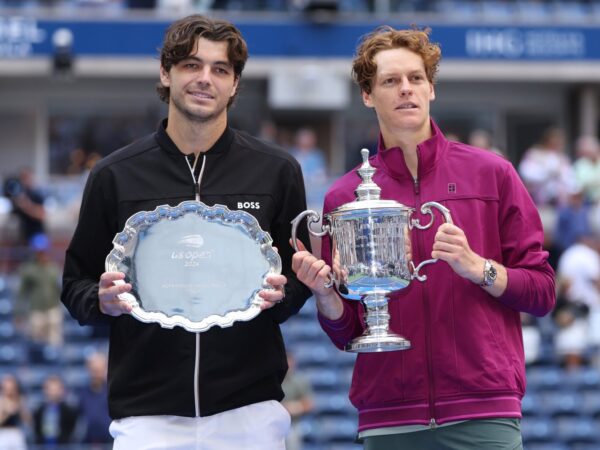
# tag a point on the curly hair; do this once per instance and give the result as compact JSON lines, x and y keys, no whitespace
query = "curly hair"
{"x":181,"y":38}
{"x":385,"y":37}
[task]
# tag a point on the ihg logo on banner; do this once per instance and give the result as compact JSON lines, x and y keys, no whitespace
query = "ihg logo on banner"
{"x":17,"y":35}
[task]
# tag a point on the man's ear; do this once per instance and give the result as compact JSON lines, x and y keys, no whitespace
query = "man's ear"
{"x":432,"y":93}
{"x":165,"y":79}
{"x":236,"y":83}
{"x":367,"y":99}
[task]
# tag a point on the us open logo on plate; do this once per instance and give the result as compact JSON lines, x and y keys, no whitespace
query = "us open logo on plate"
{"x":192,"y":240}
{"x":191,"y":255}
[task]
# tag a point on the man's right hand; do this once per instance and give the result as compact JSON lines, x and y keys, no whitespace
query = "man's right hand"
{"x":315,"y":273}
{"x":110,"y":287}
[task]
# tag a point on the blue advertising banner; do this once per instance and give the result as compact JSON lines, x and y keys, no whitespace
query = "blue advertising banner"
{"x":25,"y":37}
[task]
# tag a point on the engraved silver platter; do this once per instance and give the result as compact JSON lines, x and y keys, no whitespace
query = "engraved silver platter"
{"x":193,"y":265}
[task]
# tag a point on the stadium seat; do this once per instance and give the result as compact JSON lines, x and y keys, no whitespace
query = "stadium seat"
{"x":323,"y":379}
{"x":561,"y":403}
{"x":337,"y":430}
{"x":577,"y":430}
{"x":7,"y":330}
{"x":13,"y":354}
{"x":531,"y":404}
{"x":585,"y":378}
{"x":537,"y":430}
{"x":6,"y":307}
{"x":590,"y":405}
{"x":546,"y":446}
{"x":333,"y":404}
{"x":544,"y":378}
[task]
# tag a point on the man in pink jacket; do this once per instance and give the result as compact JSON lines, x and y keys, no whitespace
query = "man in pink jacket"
{"x":460,"y":385}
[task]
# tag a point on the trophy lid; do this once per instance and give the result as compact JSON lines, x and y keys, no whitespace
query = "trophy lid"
{"x":368,"y":193}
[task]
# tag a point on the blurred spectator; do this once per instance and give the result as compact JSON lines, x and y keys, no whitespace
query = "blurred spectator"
{"x":14,"y":416}
{"x":268,"y":131}
{"x":28,"y":205}
{"x":93,"y":402}
{"x":369,"y":141}
{"x":546,"y":170}
{"x":77,"y":159}
{"x":452,"y":135}
{"x":580,"y":265}
{"x":578,"y":314}
{"x":38,"y":298}
{"x":571,"y":341}
{"x":310,"y":157}
{"x":532,"y":338}
{"x":91,"y":161}
{"x":55,"y":419}
{"x":298,"y":400}
{"x":573,"y":220}
{"x":587,"y":166}
{"x":483,"y":139}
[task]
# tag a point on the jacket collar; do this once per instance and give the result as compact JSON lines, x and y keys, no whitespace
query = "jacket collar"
{"x":164,"y":140}
{"x":391,"y":160}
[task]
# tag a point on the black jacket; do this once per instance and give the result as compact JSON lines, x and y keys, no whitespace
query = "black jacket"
{"x":151,"y":369}
{"x":66,"y":422}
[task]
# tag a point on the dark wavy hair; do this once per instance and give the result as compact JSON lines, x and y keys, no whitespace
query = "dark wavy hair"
{"x":385,"y":37}
{"x":181,"y":38}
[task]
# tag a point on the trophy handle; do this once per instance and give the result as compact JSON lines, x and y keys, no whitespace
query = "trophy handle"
{"x":426,"y":209}
{"x":312,"y":217}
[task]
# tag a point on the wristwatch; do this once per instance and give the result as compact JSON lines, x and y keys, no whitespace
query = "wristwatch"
{"x":489,"y":274}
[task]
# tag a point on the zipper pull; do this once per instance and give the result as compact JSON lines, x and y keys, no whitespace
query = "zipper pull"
{"x":416,"y":184}
{"x":432,"y":424}
{"x":197,"y":190}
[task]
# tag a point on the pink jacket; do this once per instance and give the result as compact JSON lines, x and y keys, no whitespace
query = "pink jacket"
{"x":466,"y":360}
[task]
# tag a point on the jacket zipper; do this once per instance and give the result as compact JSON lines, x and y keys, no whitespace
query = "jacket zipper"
{"x":197,"y":182}
{"x":432,"y":423}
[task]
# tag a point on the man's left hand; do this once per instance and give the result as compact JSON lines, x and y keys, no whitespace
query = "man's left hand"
{"x":451,"y":245}
{"x":275,"y":295}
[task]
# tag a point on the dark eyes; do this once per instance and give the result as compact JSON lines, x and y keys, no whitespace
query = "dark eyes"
{"x":412,"y":78}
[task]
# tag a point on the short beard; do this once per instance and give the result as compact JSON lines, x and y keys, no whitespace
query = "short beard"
{"x":192,"y":117}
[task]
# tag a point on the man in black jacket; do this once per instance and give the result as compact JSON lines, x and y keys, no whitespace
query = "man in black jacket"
{"x":54,"y":420}
{"x":171,"y":388}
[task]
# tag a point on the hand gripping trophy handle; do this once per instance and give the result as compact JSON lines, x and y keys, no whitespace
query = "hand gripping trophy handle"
{"x":426,"y":209}
{"x":312,"y":217}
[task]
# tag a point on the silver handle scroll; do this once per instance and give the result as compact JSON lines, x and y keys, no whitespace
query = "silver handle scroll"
{"x":426,"y":209}
{"x":312,"y":217}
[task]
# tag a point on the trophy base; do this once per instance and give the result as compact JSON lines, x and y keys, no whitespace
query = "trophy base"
{"x":373,"y":343}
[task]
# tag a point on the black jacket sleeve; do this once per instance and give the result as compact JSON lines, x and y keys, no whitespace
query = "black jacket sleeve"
{"x":291,"y":202}
{"x":86,"y":254}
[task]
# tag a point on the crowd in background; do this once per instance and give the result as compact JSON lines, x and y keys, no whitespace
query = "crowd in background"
{"x":61,"y":416}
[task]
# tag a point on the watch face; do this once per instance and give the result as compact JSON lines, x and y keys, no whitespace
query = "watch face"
{"x":489,"y":274}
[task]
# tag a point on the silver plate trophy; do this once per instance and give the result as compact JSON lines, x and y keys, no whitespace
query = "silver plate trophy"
{"x":193,"y":265}
{"x":371,"y":253}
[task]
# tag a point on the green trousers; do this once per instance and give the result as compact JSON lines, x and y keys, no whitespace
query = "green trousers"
{"x":486,"y":434}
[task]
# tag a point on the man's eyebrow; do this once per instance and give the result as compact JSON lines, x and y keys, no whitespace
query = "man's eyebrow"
{"x":216,"y":63}
{"x":392,"y":73}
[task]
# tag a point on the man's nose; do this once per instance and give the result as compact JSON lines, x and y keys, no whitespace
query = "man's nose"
{"x":405,"y":87}
{"x":204,"y":75}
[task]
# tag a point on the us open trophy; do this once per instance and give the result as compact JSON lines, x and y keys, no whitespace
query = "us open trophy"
{"x":371,"y":255}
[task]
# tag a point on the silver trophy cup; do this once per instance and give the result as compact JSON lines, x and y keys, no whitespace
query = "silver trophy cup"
{"x":371,"y":254}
